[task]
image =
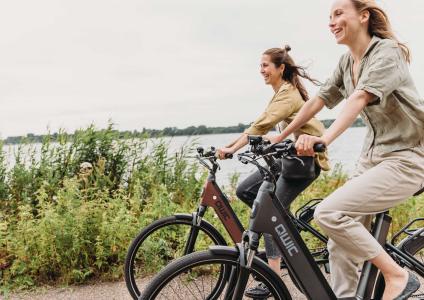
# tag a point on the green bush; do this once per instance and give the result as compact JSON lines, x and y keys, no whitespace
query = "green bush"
{"x":58,"y":225}
{"x":61,"y":224}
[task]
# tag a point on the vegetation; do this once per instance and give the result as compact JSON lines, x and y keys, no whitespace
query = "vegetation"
{"x":62,"y":222}
{"x":168,"y":131}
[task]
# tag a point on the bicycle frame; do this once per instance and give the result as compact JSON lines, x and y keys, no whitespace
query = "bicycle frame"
{"x":213,"y":196}
{"x":269,"y":216}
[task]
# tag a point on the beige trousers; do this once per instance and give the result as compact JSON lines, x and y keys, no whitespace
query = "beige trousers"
{"x":380,"y":183}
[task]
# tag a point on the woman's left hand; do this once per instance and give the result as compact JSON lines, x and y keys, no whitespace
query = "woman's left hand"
{"x":305,"y":144}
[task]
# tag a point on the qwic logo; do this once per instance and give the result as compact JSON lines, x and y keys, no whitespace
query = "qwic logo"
{"x":286,"y":239}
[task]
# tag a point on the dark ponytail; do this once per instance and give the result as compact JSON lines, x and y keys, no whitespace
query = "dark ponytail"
{"x":292,"y":72}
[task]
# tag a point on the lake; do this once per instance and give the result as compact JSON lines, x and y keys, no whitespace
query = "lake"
{"x":345,"y":151}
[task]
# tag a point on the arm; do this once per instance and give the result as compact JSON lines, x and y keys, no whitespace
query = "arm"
{"x":233,"y":147}
{"x":385,"y":73}
{"x":308,"y":110}
{"x":354,"y":105}
{"x":277,"y":110}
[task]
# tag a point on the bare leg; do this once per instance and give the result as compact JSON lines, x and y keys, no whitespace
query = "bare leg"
{"x":274,"y":263}
{"x":395,"y":277}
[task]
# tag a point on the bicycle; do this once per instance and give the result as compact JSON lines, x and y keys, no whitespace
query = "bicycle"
{"x":230,"y":270}
{"x":191,"y":228}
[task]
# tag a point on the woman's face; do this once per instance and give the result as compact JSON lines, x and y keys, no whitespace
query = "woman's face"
{"x":271,"y":74}
{"x":346,"y":22}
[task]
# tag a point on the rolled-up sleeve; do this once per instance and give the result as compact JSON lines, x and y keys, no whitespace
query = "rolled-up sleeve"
{"x":279,"y":109}
{"x":330,"y":90}
{"x":384,"y":74}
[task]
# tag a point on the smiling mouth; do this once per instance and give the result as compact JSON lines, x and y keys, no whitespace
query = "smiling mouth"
{"x":337,"y":31}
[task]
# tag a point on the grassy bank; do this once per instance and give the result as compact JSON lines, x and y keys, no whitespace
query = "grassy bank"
{"x":63,"y":223}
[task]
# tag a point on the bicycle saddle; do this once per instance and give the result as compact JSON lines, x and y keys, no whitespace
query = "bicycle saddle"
{"x":420,"y":191}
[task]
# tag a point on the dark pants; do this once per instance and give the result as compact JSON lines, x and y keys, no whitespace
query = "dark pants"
{"x":286,"y":191}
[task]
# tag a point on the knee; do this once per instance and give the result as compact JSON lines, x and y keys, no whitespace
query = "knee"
{"x":318,"y":213}
{"x":244,"y":196}
{"x":325,"y":217}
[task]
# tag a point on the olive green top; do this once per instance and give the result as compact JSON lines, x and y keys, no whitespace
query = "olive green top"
{"x":281,"y":110}
{"x":395,"y":118}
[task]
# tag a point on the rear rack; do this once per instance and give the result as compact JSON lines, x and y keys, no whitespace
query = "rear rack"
{"x":406,"y":229}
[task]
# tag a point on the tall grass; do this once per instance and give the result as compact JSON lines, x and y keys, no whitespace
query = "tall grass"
{"x":60,"y":225}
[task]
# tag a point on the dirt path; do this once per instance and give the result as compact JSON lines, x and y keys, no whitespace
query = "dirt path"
{"x":103,"y":291}
{"x":113,"y":291}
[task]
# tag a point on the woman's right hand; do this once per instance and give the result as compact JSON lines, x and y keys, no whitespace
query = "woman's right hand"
{"x":305,"y":144}
{"x":223,"y":151}
{"x":274,"y":139}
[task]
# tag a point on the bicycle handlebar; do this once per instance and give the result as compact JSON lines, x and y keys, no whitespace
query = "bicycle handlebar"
{"x":259,"y":146}
{"x":211,"y":153}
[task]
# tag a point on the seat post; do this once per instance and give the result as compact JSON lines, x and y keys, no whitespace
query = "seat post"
{"x":369,"y":272}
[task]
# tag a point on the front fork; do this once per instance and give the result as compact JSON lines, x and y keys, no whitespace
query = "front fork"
{"x":194,"y":230}
{"x":240,"y":274}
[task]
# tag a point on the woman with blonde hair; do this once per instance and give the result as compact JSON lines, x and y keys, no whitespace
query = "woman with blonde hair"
{"x":374,"y":78}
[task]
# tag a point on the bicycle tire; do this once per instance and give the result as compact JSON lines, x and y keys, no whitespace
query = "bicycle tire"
{"x":414,"y":247}
{"x":227,"y":256}
{"x":169,"y":222}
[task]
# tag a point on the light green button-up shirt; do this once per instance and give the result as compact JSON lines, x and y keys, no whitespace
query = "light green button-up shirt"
{"x":395,"y":118}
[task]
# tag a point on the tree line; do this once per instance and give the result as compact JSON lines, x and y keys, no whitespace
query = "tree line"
{"x":167,"y":131}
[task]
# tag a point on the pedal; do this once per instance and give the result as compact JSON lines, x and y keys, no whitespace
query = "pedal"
{"x":327,"y":268}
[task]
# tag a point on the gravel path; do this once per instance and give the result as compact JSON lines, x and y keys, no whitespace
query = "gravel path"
{"x":114,"y":291}
{"x":108,"y":290}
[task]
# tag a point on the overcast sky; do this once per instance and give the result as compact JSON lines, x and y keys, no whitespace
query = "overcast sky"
{"x":160,"y":63}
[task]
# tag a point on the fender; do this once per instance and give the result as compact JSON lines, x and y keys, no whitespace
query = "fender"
{"x":204,"y":224}
{"x":226,"y":250}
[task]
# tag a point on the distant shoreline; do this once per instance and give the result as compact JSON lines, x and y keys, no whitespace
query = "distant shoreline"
{"x":167,"y":131}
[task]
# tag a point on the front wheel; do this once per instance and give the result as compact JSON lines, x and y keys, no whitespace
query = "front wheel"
{"x":162,"y":241}
{"x":210,"y":275}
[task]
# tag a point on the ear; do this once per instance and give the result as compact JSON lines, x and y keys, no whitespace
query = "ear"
{"x":281,"y":68}
{"x":365,"y":16}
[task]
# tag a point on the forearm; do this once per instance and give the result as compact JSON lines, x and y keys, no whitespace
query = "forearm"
{"x":239,"y":143}
{"x":354,"y":105}
{"x":234,"y":142}
{"x":308,"y":110}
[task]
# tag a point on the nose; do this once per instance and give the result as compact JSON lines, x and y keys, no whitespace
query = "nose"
{"x":331,"y":23}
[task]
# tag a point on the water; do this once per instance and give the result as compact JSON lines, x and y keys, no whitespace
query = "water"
{"x":344,"y":151}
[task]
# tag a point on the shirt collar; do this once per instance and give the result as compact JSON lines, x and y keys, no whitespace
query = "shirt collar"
{"x":284,"y":86}
{"x":374,"y":41}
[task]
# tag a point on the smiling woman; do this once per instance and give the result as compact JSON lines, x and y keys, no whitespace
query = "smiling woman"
{"x":283,"y":75}
{"x":374,"y":78}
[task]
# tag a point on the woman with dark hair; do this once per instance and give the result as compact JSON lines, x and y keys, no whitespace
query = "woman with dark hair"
{"x":374,"y":78}
{"x":279,"y":71}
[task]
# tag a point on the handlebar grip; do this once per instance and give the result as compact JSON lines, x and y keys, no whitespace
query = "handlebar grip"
{"x":228,"y":155}
{"x":319,"y":147}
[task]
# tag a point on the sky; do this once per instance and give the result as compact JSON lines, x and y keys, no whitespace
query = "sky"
{"x":163,"y":63}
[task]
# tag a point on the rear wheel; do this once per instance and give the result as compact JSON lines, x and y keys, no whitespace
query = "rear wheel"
{"x":209,"y":275}
{"x":162,"y":241}
{"x":413,"y":246}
